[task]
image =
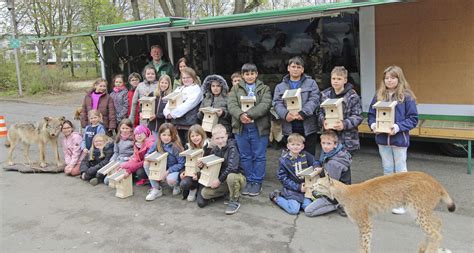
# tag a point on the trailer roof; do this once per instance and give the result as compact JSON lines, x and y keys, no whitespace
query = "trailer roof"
{"x":180,"y":24}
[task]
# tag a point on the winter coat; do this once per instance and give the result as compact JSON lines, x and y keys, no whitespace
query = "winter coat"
{"x":352,"y":110}
{"x":309,"y":100}
{"x":136,"y":122}
{"x":231,"y":156}
{"x":406,"y":117}
{"x":337,"y":163}
{"x":165,"y":68}
{"x":260,"y":113}
{"x":123,"y":150}
{"x":186,"y":114}
{"x":144,"y":89}
{"x":287,"y":174}
{"x":174,"y":162}
{"x":138,"y":157}
{"x":216,"y":101}
{"x":72,"y":148}
{"x":105,"y":106}
{"x":90,"y":167}
{"x":160,"y":104}
{"x":120,"y":99}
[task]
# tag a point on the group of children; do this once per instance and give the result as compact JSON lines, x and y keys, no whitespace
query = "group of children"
{"x":240,"y":137}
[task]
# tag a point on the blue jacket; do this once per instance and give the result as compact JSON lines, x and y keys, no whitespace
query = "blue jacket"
{"x":406,"y":117}
{"x":174,"y":162}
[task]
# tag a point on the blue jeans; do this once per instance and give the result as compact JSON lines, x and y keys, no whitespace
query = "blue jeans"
{"x":394,"y":159}
{"x":172,"y":179}
{"x":252,"y":148}
{"x":292,"y":206}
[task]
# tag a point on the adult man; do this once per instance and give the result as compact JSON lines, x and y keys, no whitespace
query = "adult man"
{"x":161,"y":65}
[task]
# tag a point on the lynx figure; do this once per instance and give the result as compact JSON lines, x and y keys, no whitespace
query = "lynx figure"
{"x":417,"y":191}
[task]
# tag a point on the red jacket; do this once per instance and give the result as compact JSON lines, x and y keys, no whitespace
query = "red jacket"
{"x":105,"y":106}
{"x":138,"y":157}
{"x":137,"y":111}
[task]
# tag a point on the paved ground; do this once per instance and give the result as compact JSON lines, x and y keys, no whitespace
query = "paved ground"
{"x":54,"y":213}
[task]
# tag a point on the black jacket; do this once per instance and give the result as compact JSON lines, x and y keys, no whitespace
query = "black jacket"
{"x":231,"y":156}
{"x":90,"y":167}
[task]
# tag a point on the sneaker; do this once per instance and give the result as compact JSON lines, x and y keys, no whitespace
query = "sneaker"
{"x":176,"y":190}
{"x":192,"y":195}
{"x":341,"y":211}
{"x":274,"y":195}
{"x":154,"y":193}
{"x":255,"y":189}
{"x":141,"y":182}
{"x":246,"y":189}
{"x":399,"y":210}
{"x":232,"y":207}
{"x":94,"y":181}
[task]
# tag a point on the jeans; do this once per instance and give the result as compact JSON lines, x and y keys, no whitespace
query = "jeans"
{"x":172,"y":179}
{"x":394,"y":159}
{"x":292,"y":206}
{"x":319,"y":206}
{"x":252,"y":148}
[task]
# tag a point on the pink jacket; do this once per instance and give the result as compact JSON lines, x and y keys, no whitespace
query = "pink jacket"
{"x":72,"y":148}
{"x":136,"y":162}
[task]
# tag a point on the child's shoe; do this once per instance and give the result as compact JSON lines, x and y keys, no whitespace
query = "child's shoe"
{"x":176,"y":190}
{"x":399,"y":210}
{"x":94,"y":181}
{"x":232,"y":207}
{"x":255,"y":189}
{"x":274,"y":195}
{"x":154,"y":193}
{"x":192,"y":195}
{"x":341,"y":211}
{"x":246,"y":189}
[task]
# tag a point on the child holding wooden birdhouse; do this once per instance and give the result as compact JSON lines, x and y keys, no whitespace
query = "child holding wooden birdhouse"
{"x":99,"y":155}
{"x":394,"y":144}
{"x":249,"y":105}
{"x":167,"y":141}
{"x":346,"y":125}
{"x":215,"y":91}
{"x":163,"y":89}
{"x":144,"y":89}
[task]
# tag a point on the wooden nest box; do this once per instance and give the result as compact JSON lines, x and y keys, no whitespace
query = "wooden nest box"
{"x":109,"y":169}
{"x":123,"y":186}
{"x":247,"y":102}
{"x":292,"y":99}
{"x":158,"y":162}
{"x":385,"y":116}
{"x":333,"y":111}
{"x":210,"y":118}
{"x":148,"y":107}
{"x":210,"y":170}
{"x":192,"y":156}
{"x":174,"y":99}
{"x":310,"y":177}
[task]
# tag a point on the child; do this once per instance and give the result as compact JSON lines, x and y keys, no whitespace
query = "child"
{"x":133,"y":80}
{"x":98,"y":99}
{"x":197,"y":140}
{"x":95,"y":127}
{"x":120,"y":97}
{"x":347,"y":128}
{"x":251,"y":128}
{"x":167,"y":141}
{"x":215,"y":91}
{"x":291,"y":198}
{"x":124,"y":142}
{"x":144,"y":89}
{"x":180,"y":65}
{"x":393,"y":146}
{"x":236,"y":78}
{"x":72,"y":149}
{"x":303,"y":122}
{"x":98,"y":157}
{"x":163,"y":89}
{"x":186,"y":114}
{"x":231,"y":179}
{"x":337,"y":162}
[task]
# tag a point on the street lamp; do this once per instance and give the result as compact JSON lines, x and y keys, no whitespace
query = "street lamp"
{"x":11,"y":8}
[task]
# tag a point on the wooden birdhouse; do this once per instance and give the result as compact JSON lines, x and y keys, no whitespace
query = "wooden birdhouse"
{"x":333,"y":111}
{"x":310,"y":177}
{"x":174,"y":99}
{"x":247,"y":102}
{"x":158,"y":162}
{"x":148,"y":107}
{"x":210,"y":118}
{"x":292,"y":99}
{"x":123,"y":185}
{"x":385,"y":116}
{"x":109,"y":169}
{"x":192,"y":156}
{"x":210,"y":170}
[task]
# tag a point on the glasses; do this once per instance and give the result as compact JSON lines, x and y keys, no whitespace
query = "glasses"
{"x":186,"y":77}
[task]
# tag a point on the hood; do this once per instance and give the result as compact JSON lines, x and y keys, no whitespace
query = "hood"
{"x":206,"y":84}
{"x":286,"y":78}
{"x":347,"y":88}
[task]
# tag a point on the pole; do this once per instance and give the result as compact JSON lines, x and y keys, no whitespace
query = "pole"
{"x":11,"y":8}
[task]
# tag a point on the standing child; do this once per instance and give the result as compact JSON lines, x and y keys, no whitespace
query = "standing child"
{"x":95,"y":127}
{"x":120,"y":97}
{"x":197,"y":140}
{"x":144,"y":89}
{"x":72,"y":149}
{"x":303,"y":122}
{"x":99,"y":155}
{"x":133,"y":79}
{"x":347,"y":131}
{"x":98,"y":99}
{"x":251,"y":128}
{"x":185,"y":115}
{"x":236,"y":78}
{"x":163,"y":89}
{"x":215,"y":91}
{"x":167,"y":141}
{"x":393,"y":146}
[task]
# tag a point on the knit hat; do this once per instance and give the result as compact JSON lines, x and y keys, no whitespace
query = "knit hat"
{"x":142,"y":130}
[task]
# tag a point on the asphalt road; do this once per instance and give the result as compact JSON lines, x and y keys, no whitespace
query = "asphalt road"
{"x":54,"y":213}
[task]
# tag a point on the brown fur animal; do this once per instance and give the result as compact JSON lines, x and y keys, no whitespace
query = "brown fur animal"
{"x":417,"y":191}
{"x":46,"y":130}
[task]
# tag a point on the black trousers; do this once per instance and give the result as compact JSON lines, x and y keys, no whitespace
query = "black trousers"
{"x":188,"y":184}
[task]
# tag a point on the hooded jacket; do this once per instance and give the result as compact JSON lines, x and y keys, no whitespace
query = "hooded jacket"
{"x":231,"y":156}
{"x":123,"y":150}
{"x":216,"y":101}
{"x":337,"y":163}
{"x":120,"y":99}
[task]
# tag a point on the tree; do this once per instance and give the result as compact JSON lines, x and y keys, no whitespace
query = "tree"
{"x":241,"y":6}
{"x":177,"y":8}
{"x":135,"y":9}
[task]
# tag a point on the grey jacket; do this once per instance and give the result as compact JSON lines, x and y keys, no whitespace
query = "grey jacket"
{"x":123,"y":150}
{"x":121,"y":104}
{"x":310,"y":104}
{"x":216,"y":102}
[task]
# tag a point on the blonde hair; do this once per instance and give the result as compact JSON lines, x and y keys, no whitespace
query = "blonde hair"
{"x":401,"y":91}
{"x":219,"y":128}
{"x":339,"y":71}
{"x":97,"y":81}
{"x":168,"y":90}
{"x":235,"y":75}
{"x":189,"y":71}
{"x":198,"y":130}
{"x":295,"y":137}
{"x":106,"y":140}
{"x":330,"y":134}
{"x":94,"y":112}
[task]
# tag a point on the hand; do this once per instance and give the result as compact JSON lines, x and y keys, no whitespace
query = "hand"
{"x":169,"y":116}
{"x":215,"y":184}
{"x":302,"y":188}
{"x":152,"y":117}
{"x":245,"y":119}
{"x":219,"y":112}
{"x":195,"y":177}
{"x":199,"y":164}
{"x":289,"y":117}
{"x":318,"y":169}
{"x":339,"y":126}
{"x":395,"y":129}
{"x":85,"y":150}
{"x":299,"y":117}
{"x":164,"y":176}
{"x":125,"y":172}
